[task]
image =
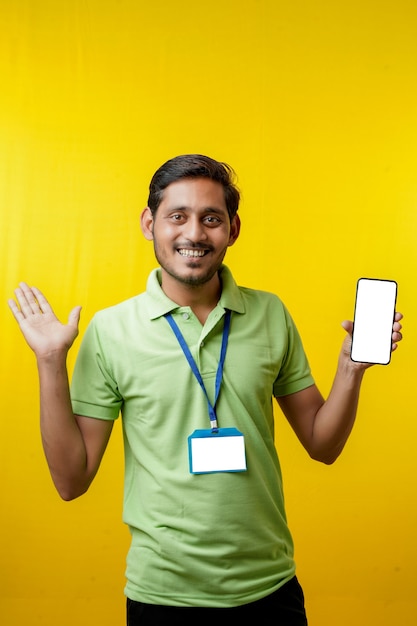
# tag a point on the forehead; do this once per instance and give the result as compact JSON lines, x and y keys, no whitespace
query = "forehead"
{"x":194,"y":193}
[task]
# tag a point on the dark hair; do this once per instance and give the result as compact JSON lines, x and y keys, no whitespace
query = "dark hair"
{"x":194,"y":166}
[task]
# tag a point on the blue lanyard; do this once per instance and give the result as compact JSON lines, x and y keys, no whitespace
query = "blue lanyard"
{"x":193,"y":365}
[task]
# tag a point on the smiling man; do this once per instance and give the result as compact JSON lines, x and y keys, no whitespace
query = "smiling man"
{"x":191,"y":229}
{"x":192,"y":366}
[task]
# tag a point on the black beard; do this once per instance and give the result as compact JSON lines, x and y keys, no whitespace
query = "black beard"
{"x":193,"y":281}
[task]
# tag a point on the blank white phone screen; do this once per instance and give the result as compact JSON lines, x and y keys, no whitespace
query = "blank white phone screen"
{"x":374,"y":316}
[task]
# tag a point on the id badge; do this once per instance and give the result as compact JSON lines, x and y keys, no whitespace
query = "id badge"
{"x":211,"y":451}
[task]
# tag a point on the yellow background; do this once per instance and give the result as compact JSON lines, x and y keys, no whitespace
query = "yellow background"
{"x":315,"y":106}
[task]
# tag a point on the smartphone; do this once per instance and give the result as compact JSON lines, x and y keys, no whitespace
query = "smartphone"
{"x":373,"y":319}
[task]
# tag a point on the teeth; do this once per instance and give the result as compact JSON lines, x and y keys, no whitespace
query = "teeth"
{"x":192,"y":253}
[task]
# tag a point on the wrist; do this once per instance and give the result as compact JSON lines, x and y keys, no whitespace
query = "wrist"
{"x":53,"y":358}
{"x":351,"y":370}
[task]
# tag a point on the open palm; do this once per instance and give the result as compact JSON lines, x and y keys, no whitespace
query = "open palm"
{"x":42,"y":330}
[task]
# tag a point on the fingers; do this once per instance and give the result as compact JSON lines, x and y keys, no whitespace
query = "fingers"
{"x":18,"y":315}
{"x":31,"y":301}
{"x":74,"y":316}
{"x":23,"y":308}
{"x":32,"y":306}
{"x":396,"y":328}
{"x":41,"y":301}
{"x":396,"y":337}
{"x":348,"y":326}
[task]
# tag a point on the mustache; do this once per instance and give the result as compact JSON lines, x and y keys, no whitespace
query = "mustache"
{"x":194,"y":246}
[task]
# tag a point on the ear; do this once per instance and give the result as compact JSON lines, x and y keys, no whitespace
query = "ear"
{"x":146,"y":223}
{"x":234,"y":230}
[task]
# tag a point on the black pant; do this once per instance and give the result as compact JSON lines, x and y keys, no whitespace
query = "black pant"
{"x":284,"y":607}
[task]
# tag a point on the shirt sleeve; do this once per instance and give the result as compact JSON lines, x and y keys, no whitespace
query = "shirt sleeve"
{"x":295,"y":373}
{"x":94,"y":391}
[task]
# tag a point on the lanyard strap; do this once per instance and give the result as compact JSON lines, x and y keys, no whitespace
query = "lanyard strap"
{"x":194,"y":368}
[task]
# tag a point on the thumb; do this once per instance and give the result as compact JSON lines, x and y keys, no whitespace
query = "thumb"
{"x":74,"y":316}
{"x":348,"y":326}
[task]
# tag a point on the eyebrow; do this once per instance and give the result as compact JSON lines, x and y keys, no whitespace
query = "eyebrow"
{"x":208,"y":209}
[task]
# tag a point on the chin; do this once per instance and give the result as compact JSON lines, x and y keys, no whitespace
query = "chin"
{"x":194,"y":278}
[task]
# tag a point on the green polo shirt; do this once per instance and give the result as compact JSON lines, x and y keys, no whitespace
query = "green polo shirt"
{"x":208,"y":540}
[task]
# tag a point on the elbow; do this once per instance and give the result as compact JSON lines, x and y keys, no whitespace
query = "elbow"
{"x":327,"y":457}
{"x":329,"y":460}
{"x":326,"y":460}
{"x":70,"y":492}
{"x":68,"y":496}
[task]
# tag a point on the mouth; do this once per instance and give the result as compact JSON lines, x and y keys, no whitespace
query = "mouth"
{"x":192,"y":253}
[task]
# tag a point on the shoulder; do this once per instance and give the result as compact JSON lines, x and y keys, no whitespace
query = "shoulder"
{"x":121,"y":308}
{"x":267,"y":311}
{"x":244,"y":299}
{"x":262,"y":300}
{"x":122,"y":315}
{"x":259,"y":294}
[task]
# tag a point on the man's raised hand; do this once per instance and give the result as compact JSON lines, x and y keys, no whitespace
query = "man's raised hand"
{"x":43,"y":332}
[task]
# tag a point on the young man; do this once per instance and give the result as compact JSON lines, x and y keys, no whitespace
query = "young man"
{"x":193,"y":355}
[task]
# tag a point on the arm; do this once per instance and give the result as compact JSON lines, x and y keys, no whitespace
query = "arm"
{"x":73,"y":445}
{"x":323,"y":426}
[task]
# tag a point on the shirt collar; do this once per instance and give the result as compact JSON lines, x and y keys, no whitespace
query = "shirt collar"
{"x":159,"y":304}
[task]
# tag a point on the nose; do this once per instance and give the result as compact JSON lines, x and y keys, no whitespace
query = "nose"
{"x":194,"y":229}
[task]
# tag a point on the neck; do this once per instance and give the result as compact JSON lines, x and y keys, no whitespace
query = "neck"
{"x":202,"y":299}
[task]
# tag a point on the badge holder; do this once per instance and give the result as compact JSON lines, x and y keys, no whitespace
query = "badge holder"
{"x":216,"y":450}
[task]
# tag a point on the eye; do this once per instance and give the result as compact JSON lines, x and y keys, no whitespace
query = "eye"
{"x":212,"y":220}
{"x":177,"y":217}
